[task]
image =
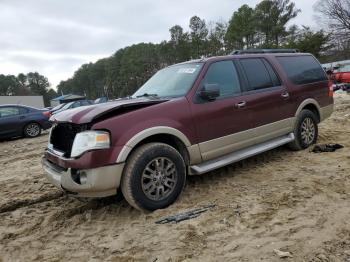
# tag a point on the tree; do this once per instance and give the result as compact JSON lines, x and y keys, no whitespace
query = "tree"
{"x":198,"y":34}
{"x":8,"y":85}
{"x":241,"y":29}
{"x":130,"y":67}
{"x":23,"y":85}
{"x":305,"y":40}
{"x":176,"y":34}
{"x":38,"y":85}
{"x":216,"y":38}
{"x":336,"y":11}
{"x":271,"y":19}
{"x":179,"y":46}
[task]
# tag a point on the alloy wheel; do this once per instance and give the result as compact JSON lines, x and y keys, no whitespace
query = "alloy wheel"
{"x":308,"y":131}
{"x":33,"y":130}
{"x":159,"y":178}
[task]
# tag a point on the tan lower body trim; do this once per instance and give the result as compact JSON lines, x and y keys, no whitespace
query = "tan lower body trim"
{"x":326,"y":111}
{"x":195,"y":154}
{"x":227,"y":144}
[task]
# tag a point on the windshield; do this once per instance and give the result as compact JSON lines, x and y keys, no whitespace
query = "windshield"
{"x":66,"y":106}
{"x":173,"y":81}
{"x":57,"y":107}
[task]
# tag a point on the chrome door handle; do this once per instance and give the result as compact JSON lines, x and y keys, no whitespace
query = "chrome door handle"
{"x":285,"y":95}
{"x":240,"y":104}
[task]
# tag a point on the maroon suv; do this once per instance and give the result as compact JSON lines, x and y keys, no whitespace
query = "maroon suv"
{"x":188,"y":119}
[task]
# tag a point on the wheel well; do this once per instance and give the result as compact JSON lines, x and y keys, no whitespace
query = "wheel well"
{"x":314,"y":110}
{"x":170,"y":140}
{"x":30,"y":122}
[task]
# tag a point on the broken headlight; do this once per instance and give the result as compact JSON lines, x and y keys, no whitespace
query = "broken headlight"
{"x":90,"y":140}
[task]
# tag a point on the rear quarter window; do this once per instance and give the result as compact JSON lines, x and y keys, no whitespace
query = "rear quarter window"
{"x":302,"y":69}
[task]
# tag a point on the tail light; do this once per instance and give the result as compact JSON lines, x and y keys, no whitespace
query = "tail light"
{"x":330,"y":88}
{"x":47,"y":114}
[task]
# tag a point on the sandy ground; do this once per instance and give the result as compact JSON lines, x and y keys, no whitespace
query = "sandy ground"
{"x":291,"y":201}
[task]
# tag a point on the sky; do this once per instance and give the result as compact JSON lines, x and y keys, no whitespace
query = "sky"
{"x":55,"y":37}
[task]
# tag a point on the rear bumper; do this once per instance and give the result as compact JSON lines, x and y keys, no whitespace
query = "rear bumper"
{"x":96,"y":182}
{"x":46,"y":125}
{"x":326,"y":112}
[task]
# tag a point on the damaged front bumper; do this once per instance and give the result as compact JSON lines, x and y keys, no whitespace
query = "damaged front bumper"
{"x":96,"y":182}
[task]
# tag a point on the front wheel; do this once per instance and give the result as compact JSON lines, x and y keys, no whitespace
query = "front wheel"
{"x":32,"y":130}
{"x":306,"y":130}
{"x":154,"y":176}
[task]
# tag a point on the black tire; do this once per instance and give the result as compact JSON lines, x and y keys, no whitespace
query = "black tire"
{"x":300,"y":134}
{"x":32,"y":130}
{"x":137,"y":185}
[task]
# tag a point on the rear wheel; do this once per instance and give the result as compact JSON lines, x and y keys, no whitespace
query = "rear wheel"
{"x":306,"y":130}
{"x":154,"y":176}
{"x":32,"y":130}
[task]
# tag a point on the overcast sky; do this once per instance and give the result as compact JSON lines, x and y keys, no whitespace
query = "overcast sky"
{"x":54,"y":37}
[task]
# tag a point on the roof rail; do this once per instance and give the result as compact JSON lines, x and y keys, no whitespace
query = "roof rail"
{"x":263,"y":51}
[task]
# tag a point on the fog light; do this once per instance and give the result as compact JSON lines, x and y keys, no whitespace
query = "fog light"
{"x":79,"y":177}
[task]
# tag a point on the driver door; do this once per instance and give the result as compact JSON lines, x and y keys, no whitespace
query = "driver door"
{"x":221,"y":123}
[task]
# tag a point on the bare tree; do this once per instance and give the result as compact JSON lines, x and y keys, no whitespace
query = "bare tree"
{"x":337,"y":12}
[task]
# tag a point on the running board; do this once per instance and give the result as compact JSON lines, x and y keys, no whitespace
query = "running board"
{"x":240,"y":155}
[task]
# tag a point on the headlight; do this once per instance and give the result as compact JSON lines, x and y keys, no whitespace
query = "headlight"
{"x":90,"y":140}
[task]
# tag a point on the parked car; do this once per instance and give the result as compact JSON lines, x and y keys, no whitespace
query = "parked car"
{"x":73,"y":104}
{"x":58,"y":107}
{"x":188,"y":119}
{"x":19,"y":120}
{"x":101,"y":100}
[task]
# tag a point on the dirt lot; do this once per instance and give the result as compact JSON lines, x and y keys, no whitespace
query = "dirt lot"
{"x":291,"y":201}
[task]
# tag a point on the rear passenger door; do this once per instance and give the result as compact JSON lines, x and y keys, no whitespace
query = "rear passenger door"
{"x":269,"y":99}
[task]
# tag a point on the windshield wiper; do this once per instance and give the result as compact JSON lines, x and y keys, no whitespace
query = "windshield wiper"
{"x":147,"y":95}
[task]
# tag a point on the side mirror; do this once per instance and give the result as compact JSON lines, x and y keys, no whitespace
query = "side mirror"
{"x":210,"y":92}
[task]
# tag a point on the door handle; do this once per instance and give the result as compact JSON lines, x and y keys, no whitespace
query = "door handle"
{"x":240,"y":104}
{"x":285,"y":95}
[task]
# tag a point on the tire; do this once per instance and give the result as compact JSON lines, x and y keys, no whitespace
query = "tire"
{"x":154,"y":177}
{"x":32,"y":130}
{"x":306,"y":130}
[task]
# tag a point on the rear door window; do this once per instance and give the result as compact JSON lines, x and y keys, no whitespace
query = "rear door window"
{"x":225,"y":75}
{"x":23,"y":110}
{"x":302,"y":69}
{"x":257,"y":74}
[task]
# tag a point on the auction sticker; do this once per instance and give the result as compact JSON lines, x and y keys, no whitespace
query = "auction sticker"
{"x":187,"y":70}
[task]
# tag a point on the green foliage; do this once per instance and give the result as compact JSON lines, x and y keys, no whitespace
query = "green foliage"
{"x":263,"y":26}
{"x":30,"y":84}
{"x":271,"y":17}
{"x":306,"y":40}
{"x":241,"y":31}
{"x":198,"y":34}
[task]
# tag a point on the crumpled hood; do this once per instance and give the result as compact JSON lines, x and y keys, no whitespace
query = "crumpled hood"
{"x":86,"y":114}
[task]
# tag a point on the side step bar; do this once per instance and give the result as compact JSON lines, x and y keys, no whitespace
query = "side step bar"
{"x":240,"y":155}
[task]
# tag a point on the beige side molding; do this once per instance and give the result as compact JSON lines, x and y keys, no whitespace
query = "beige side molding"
{"x":306,"y":102}
{"x":147,"y":133}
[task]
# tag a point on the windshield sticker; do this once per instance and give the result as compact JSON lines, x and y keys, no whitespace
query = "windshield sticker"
{"x":186,"y":70}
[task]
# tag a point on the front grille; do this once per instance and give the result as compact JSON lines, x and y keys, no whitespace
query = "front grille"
{"x":62,"y":137}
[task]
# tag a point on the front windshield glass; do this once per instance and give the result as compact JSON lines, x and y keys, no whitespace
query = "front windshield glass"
{"x":173,"y":81}
{"x":58,"y":107}
{"x":67,"y":106}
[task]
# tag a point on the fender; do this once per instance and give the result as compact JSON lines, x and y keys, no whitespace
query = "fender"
{"x":307,"y":102}
{"x":193,"y":150}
